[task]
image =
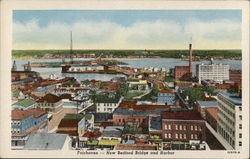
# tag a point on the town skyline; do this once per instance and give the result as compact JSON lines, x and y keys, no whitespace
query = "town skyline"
{"x":127,"y":30}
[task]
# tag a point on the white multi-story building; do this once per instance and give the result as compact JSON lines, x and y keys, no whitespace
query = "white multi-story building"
{"x":229,"y":125}
{"x":215,"y":72}
{"x":107,"y":107}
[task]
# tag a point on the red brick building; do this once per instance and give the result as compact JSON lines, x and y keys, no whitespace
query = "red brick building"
{"x":183,"y":126}
{"x":212,"y":116}
{"x":235,"y":76}
{"x":182,"y":72}
{"x":128,"y":111}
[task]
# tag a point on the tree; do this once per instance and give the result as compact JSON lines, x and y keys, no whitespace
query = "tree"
{"x":86,"y":82}
{"x":132,"y":128}
{"x":123,"y":89}
{"x":231,"y":90}
{"x":210,"y":90}
{"x":93,"y":95}
{"x":194,"y":94}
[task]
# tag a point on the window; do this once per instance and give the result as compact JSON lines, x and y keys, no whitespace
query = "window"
{"x":240,"y":117}
{"x":169,"y":135}
{"x":176,"y":136}
{"x":240,"y":126}
{"x":184,"y":136}
{"x":240,"y":135}
{"x":195,"y":136}
{"x":180,"y":127}
{"x":200,"y":128}
{"x":180,"y":136}
{"x":240,"y":108}
{"x":166,"y":127}
{"x":176,"y":127}
{"x":169,"y":127}
{"x":240,"y":143}
{"x":195,"y":128}
{"x":184,"y":127}
{"x":191,"y":127}
{"x":166,"y":135}
{"x":192,"y":136}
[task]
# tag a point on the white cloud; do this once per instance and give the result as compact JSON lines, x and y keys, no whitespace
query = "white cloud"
{"x":140,"y":35}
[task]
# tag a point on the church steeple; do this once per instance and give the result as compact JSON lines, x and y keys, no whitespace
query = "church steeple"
{"x":14,"y":68}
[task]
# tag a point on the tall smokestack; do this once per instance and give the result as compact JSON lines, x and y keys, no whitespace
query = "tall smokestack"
{"x":190,"y":59}
{"x":71,"y":48}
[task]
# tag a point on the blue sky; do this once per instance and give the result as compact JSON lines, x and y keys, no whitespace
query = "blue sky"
{"x":100,"y":29}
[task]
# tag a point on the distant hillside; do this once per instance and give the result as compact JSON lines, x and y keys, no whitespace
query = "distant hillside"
{"x":142,"y":53}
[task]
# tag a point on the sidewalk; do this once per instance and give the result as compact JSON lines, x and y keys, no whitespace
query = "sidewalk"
{"x":219,"y":138}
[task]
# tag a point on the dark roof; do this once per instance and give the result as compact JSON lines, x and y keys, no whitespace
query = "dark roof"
{"x":69,"y":123}
{"x":49,"y":98}
{"x":18,"y":114}
{"x":166,"y":91}
{"x":45,"y":141}
{"x":65,"y":96}
{"x":119,"y":111}
{"x":92,"y":134}
{"x":131,"y":105}
{"x":23,"y":81}
{"x":73,"y":116}
{"x":68,"y":132}
{"x":24,"y":72}
{"x":102,"y":117}
{"x":181,"y":115}
{"x":105,"y":124}
{"x":155,"y":123}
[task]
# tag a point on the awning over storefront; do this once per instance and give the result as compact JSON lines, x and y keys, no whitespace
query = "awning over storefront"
{"x":108,"y":143}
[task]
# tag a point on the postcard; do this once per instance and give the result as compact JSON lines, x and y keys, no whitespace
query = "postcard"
{"x":123,"y":79}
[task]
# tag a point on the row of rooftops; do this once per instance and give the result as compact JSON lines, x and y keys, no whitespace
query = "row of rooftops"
{"x":30,"y":79}
{"x":18,"y":114}
{"x":41,"y":89}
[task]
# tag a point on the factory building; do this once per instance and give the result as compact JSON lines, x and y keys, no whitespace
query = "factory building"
{"x":215,"y":72}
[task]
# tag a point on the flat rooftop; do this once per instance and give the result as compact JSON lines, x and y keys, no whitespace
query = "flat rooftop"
{"x":234,"y":98}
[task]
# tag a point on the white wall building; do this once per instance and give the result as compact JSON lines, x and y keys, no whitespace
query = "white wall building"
{"x":76,"y":68}
{"x":229,"y":124}
{"x":104,"y":107}
{"x":215,"y":72}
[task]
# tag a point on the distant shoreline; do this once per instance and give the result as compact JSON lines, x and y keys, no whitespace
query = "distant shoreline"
{"x":198,"y":55}
{"x":20,"y":58}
